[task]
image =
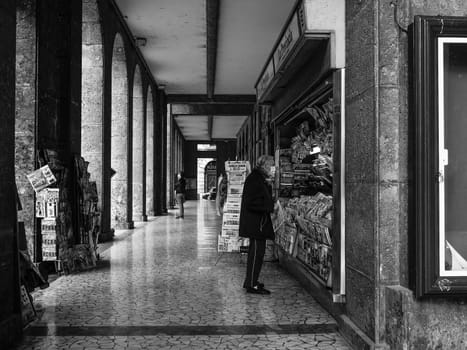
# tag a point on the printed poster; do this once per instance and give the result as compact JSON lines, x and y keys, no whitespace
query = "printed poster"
{"x":229,"y":240}
{"x":41,"y":178}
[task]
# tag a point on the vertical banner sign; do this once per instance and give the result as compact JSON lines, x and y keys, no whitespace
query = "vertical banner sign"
{"x":287,"y":42}
{"x":229,"y":240}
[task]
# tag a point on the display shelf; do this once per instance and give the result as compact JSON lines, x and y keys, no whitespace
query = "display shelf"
{"x":304,"y":184}
{"x":315,"y":256}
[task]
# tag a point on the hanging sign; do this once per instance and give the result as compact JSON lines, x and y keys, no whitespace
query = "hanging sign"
{"x":281,"y":51}
{"x":265,"y":79}
{"x":287,"y":42}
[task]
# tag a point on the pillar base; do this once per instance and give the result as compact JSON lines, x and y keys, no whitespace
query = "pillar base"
{"x":10,"y":331}
{"x":106,"y":236}
{"x":144,"y":218}
{"x":130,"y":225}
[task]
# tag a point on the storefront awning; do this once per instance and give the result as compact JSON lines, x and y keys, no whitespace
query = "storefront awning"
{"x":313,"y":26}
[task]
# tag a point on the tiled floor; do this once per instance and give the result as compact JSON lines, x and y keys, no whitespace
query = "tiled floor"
{"x":165,"y":287}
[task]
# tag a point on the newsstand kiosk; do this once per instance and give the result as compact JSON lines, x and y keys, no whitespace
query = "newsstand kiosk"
{"x":302,"y":83}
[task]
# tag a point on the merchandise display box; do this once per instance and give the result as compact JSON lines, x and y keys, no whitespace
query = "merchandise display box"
{"x":229,"y":240}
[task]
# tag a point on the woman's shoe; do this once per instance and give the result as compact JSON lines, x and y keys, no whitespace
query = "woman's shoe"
{"x":257,"y":290}
{"x":260,"y":285}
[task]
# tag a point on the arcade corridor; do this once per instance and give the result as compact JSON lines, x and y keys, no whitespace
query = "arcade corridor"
{"x":164,"y":286}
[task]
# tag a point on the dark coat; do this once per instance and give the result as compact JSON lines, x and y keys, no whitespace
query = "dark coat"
{"x":180,"y":186}
{"x":257,"y":204}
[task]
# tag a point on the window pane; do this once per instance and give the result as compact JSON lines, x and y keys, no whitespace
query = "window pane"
{"x":455,"y":158}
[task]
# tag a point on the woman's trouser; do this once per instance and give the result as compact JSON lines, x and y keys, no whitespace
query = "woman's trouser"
{"x":255,"y":260}
{"x":180,"y":200}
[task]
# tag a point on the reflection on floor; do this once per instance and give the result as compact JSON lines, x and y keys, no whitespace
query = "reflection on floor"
{"x":165,"y":287}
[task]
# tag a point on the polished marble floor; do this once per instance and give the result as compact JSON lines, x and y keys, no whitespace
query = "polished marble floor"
{"x":164,"y":286}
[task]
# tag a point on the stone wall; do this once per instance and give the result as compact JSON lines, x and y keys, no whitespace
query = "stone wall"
{"x":59,"y":76}
{"x":378,"y":168}
{"x":409,"y":323}
{"x":10,"y":312}
{"x":424,"y":325}
{"x":361,"y":165}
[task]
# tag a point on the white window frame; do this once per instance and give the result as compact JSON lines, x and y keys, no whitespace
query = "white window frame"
{"x":442,"y":156}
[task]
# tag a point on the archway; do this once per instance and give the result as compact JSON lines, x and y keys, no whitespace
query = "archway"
{"x":150,"y":154}
{"x":210,"y":176}
{"x":92,"y":80}
{"x":201,"y":171}
{"x":138,"y":147}
{"x":119,"y":139}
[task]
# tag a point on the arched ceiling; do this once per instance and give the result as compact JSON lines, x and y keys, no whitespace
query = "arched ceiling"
{"x":179,"y":41}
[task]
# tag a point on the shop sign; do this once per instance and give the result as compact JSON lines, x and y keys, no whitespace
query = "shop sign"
{"x":265,"y":79}
{"x":287,"y":41}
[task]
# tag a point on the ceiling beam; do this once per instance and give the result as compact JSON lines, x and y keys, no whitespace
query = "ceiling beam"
{"x":213,"y":109}
{"x":212,"y":24}
{"x":174,"y":98}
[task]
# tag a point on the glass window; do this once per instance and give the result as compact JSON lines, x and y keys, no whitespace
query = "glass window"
{"x":452,"y":175}
{"x":440,"y":167}
{"x":202,"y":147}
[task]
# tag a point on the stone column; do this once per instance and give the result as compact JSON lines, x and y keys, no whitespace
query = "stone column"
{"x":10,"y":310}
{"x":25,"y":128}
{"x":92,"y":81}
{"x":170,"y":159}
{"x":137,"y":163}
{"x":150,"y":154}
{"x":121,"y":194}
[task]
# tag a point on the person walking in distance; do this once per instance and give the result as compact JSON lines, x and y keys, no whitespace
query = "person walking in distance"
{"x":180,"y":194}
{"x":255,"y":220}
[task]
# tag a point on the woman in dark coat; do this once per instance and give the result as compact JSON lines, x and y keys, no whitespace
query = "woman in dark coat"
{"x":255,"y":221}
{"x":180,"y":194}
